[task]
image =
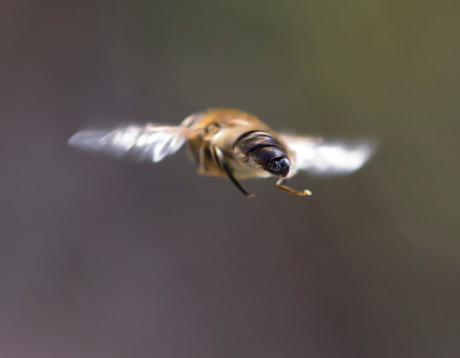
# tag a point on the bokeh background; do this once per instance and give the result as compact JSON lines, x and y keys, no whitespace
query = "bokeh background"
{"x":105,"y":258}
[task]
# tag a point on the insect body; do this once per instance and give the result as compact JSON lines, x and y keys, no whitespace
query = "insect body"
{"x":229,"y":143}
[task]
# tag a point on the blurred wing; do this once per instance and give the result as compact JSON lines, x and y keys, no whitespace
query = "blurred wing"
{"x":142,"y":142}
{"x":319,"y":157}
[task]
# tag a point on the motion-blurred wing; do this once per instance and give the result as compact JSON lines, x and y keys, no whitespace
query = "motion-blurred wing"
{"x":142,"y":142}
{"x":320,"y":157}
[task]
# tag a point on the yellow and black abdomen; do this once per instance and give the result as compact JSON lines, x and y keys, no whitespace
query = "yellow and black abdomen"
{"x":221,"y":128}
{"x":248,"y":145}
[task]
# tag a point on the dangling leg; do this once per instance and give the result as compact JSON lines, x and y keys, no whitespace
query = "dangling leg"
{"x":221,"y":160}
{"x":203,"y":167}
{"x":280,"y":184}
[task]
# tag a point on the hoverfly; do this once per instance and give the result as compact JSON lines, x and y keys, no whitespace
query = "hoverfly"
{"x":230,"y":143}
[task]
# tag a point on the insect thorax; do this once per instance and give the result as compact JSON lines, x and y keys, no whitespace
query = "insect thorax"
{"x":224,"y":128}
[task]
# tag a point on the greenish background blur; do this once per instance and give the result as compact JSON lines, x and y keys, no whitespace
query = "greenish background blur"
{"x":104,"y":258}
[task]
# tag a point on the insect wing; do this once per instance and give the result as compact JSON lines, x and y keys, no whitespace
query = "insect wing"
{"x":149,"y":142}
{"x":320,"y":157}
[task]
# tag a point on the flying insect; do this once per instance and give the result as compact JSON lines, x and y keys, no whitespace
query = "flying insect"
{"x":230,"y":143}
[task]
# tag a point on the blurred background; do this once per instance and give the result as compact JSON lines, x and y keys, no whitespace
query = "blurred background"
{"x":105,"y":258}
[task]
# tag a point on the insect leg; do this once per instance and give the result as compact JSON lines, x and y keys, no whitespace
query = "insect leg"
{"x":221,"y":160}
{"x":280,"y":184}
{"x":202,"y":154}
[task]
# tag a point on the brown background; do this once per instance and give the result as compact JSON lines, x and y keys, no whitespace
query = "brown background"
{"x":103,"y":258}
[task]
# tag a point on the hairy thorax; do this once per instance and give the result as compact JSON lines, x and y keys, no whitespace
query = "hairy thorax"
{"x":222,"y":128}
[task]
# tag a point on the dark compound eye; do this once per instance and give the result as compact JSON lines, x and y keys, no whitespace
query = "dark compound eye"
{"x":279,"y":166}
